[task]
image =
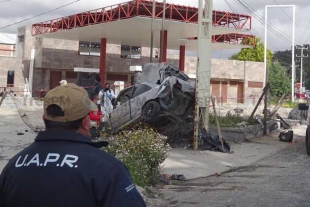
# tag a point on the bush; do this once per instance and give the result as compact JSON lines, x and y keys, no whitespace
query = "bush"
{"x":142,"y":150}
{"x":289,"y":104}
{"x":226,"y":121}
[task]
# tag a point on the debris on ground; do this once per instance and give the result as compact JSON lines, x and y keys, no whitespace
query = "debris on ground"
{"x":178,"y":177}
{"x":218,"y":174}
{"x":213,"y":143}
{"x":20,"y":133}
{"x":238,"y":110}
{"x":286,"y":136}
{"x":164,"y":178}
{"x":297,"y":114}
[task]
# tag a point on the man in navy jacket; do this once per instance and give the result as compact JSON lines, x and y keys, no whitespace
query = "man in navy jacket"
{"x":63,"y":167}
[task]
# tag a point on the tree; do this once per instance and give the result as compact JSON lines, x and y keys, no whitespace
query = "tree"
{"x":255,"y":53}
{"x":285,"y":59}
{"x":279,"y":82}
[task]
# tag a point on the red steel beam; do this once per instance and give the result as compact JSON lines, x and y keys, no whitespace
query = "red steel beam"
{"x":182,"y":58}
{"x":140,"y":8}
{"x":102,"y":63}
{"x":233,"y":38}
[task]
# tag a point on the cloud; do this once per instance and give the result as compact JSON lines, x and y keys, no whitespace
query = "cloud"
{"x":281,"y":19}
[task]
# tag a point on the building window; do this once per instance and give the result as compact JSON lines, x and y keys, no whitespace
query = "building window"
{"x":89,"y":48}
{"x":252,"y":84}
{"x":21,"y":38}
{"x":130,"y":52}
{"x":10,"y":78}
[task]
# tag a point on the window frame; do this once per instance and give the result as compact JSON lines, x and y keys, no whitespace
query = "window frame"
{"x":131,"y":52}
{"x":7,"y":79}
{"x":90,"y":53}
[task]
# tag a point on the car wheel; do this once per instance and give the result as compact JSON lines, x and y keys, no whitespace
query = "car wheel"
{"x":168,"y":103}
{"x":151,"y":111}
{"x":308,"y":144}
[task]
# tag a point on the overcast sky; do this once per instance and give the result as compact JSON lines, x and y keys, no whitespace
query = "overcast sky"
{"x":280,"y":19}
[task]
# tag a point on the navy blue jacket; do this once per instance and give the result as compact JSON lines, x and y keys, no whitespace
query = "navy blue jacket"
{"x":63,"y":168}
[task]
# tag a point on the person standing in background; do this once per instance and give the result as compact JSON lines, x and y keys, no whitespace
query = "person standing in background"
{"x":106,"y":97}
{"x":97,"y":89}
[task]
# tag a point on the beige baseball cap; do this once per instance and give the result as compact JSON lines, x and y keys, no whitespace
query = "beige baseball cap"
{"x":72,"y":99}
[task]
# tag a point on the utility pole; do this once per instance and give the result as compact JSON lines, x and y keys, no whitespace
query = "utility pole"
{"x":152,"y":32}
{"x":302,"y":56}
{"x":162,"y":34}
{"x":203,"y":72}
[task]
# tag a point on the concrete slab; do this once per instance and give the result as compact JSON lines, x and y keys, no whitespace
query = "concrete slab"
{"x":194,"y":164}
{"x":11,"y":124}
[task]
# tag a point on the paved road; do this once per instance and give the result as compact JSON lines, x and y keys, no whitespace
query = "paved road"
{"x":281,"y":180}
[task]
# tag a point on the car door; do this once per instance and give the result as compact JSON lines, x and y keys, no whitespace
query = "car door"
{"x":141,"y":94}
{"x":121,"y":114}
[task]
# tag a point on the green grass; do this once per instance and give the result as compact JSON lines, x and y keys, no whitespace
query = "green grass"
{"x":226,"y":121}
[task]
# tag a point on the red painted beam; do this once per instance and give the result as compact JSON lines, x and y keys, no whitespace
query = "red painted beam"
{"x":140,"y":8}
{"x":232,"y":38}
{"x":182,"y":58}
{"x":164,"y":55}
{"x":103,"y":54}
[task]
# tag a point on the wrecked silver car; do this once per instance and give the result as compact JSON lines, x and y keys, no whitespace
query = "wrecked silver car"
{"x":165,"y":103}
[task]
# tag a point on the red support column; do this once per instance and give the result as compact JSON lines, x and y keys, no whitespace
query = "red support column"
{"x":103,"y":54}
{"x":182,"y":58}
{"x":164,"y":55}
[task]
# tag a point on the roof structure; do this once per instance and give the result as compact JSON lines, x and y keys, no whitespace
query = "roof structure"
{"x":130,"y":23}
{"x":7,"y":38}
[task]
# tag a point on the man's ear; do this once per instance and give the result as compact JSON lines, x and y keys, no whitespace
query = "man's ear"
{"x":43,"y":117}
{"x":85,"y":123}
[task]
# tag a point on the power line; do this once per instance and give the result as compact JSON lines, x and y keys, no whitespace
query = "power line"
{"x":235,"y":11}
{"x":305,"y":32}
{"x":273,"y":29}
{"x":4,"y":1}
{"x":40,"y":14}
{"x":291,"y":19}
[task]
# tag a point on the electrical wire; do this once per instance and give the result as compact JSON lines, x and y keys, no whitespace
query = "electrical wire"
{"x":273,"y":29}
{"x":290,"y":19}
{"x":277,"y":49}
{"x":40,"y":14}
{"x":235,"y":11}
{"x":270,"y":25}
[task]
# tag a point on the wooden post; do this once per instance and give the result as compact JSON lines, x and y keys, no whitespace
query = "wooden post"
{"x":276,"y":108}
{"x":260,"y":99}
{"x":217,"y":121}
{"x":5,"y":93}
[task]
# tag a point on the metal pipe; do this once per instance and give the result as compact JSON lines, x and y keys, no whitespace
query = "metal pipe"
{"x":162,"y":34}
{"x":152,"y":32}
{"x":265,"y":48}
{"x":293,"y":43}
{"x":293,"y":55}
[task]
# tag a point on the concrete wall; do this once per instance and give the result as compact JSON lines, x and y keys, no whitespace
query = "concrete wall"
{"x":6,"y":64}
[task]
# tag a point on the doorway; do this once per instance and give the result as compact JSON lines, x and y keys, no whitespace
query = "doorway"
{"x":55,"y":78}
{"x":10,"y":78}
{"x":240,"y":92}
